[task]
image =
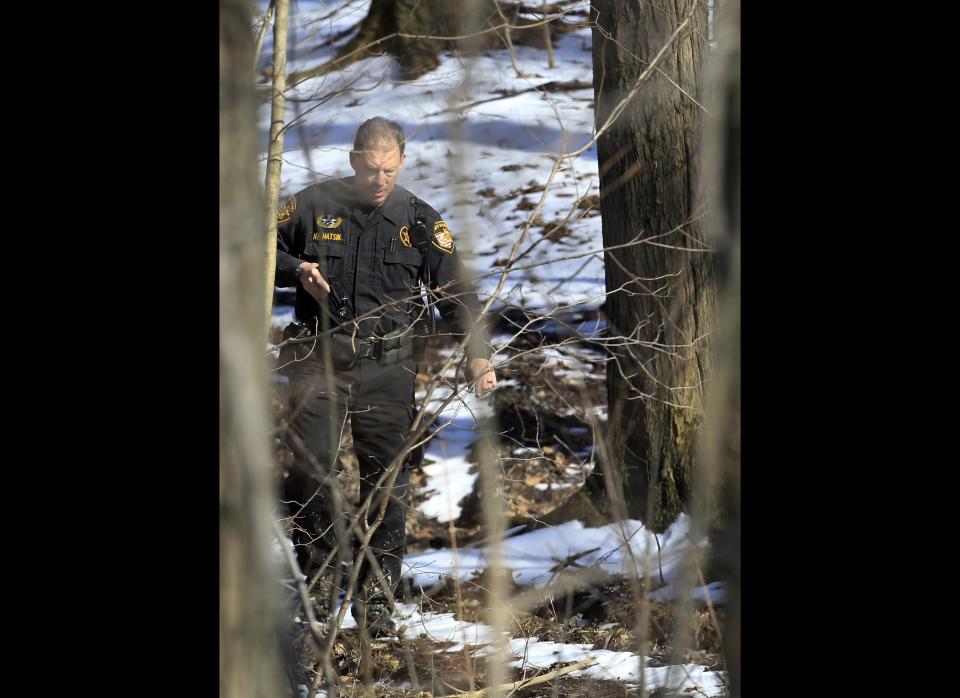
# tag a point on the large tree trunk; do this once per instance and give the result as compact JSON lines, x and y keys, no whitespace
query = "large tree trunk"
{"x":420,"y":17}
{"x":415,"y":32}
{"x":662,"y":292}
{"x":250,"y":663}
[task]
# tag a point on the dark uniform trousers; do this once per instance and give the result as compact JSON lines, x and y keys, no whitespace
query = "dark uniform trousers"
{"x":380,"y":403}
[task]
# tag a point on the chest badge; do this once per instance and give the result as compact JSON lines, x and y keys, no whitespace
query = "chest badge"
{"x":442,"y":239}
{"x":286,"y":211}
{"x":328,"y":222}
{"x":405,"y":236}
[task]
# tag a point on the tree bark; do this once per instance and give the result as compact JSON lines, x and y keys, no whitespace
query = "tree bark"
{"x":275,"y":155}
{"x":421,"y":22}
{"x":421,"y":17}
{"x":662,"y":293}
{"x":250,"y":663}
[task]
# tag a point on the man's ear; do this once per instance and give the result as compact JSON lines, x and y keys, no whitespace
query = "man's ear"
{"x":403,"y":158}
{"x":353,"y":161}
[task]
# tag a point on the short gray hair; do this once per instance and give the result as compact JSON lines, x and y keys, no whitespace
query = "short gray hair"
{"x":376,"y":130}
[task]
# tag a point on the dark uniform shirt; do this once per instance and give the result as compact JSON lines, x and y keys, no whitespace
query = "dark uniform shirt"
{"x":369,"y":252}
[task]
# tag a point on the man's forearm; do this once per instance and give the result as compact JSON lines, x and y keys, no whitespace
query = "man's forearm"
{"x":287,"y":266}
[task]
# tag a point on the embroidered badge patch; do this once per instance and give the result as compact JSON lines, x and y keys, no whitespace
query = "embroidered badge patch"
{"x":286,"y":211}
{"x":442,"y":239}
{"x":405,"y":236}
{"x":328,"y":222}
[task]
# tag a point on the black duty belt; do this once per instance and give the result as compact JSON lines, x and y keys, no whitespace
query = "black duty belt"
{"x":347,"y":350}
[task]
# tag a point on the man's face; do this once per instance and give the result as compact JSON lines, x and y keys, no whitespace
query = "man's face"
{"x":376,"y":172}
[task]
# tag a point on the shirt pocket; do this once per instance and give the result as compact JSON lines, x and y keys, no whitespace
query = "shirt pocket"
{"x":399,"y":282}
{"x":400,"y":267}
{"x":329,"y":256}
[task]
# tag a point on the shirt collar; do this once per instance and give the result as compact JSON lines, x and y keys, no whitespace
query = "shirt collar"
{"x":395,"y":205}
{"x":392,"y":209}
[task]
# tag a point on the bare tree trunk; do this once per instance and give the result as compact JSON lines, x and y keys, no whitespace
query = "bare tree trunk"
{"x":274,"y":158}
{"x":408,"y":30}
{"x":250,"y":663}
{"x":261,"y":35}
{"x":547,"y":40}
{"x":416,"y":17}
{"x":722,"y":426}
{"x":663,"y":292}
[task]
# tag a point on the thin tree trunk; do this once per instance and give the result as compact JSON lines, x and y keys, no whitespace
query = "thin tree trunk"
{"x":662,"y":294}
{"x":262,"y":34}
{"x":275,"y":156}
{"x":250,"y":663}
{"x":547,"y":39}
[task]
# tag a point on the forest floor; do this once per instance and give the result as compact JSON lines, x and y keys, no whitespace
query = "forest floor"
{"x":545,"y":414}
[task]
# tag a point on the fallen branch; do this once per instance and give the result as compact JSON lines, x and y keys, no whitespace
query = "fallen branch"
{"x":570,"y":560}
{"x":542,"y":678}
{"x":552,"y":86}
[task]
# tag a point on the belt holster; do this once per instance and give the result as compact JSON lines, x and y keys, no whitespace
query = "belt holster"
{"x":293,"y":352}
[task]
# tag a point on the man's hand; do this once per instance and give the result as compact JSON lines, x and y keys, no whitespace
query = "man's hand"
{"x":481,"y":371}
{"x":310,"y":278}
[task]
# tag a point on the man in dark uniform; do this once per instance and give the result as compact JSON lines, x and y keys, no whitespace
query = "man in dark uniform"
{"x":375,"y":243}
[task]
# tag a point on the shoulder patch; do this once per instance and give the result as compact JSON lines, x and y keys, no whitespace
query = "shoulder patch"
{"x":286,"y":211}
{"x":405,"y":236}
{"x":328,"y":222}
{"x":442,"y":239}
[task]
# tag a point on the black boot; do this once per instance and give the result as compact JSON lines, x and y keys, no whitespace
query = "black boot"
{"x":372,"y":608}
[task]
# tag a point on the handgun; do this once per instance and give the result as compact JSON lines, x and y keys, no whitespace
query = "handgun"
{"x":339,"y":301}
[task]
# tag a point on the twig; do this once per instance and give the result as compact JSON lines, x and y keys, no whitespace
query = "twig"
{"x":571,"y":560}
{"x":315,"y":627}
{"x":713,"y":613}
{"x":552,"y":86}
{"x":542,"y":678}
{"x":659,"y":559}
